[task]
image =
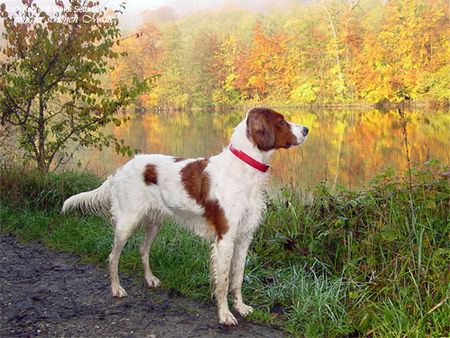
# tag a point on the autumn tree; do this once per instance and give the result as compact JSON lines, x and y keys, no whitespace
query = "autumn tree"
{"x":142,"y":61}
{"x":269,"y":69}
{"x":50,"y":85}
{"x":433,"y":79}
{"x":410,"y":43}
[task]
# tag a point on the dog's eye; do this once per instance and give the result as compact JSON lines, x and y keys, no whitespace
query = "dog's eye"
{"x":282,"y":123}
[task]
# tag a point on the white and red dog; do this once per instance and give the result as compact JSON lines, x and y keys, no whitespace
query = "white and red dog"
{"x":220,"y":198}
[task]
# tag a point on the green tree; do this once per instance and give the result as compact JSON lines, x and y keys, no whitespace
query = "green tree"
{"x":172,"y":90}
{"x":51,"y":91}
{"x":226,"y":94}
{"x":201,"y":70}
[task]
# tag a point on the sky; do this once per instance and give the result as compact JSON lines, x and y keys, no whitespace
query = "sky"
{"x":132,"y":17}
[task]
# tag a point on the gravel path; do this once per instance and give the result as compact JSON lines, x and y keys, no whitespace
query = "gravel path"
{"x":50,"y":293}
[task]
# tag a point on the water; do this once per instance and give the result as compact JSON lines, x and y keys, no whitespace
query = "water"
{"x":343,"y":147}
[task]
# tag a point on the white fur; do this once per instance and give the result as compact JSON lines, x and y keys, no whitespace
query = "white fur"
{"x":234,"y":184}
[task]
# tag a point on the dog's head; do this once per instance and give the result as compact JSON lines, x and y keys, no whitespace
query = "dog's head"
{"x":268,"y":130}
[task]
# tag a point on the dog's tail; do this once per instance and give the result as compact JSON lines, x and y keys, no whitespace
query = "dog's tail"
{"x":97,"y":201}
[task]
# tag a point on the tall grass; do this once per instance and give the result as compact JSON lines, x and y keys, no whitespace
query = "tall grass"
{"x":392,"y":259}
{"x":323,"y":263}
{"x":25,"y":188}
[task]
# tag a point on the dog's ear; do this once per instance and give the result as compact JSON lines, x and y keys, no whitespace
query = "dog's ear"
{"x":260,"y":129}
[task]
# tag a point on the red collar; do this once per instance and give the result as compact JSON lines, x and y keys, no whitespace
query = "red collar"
{"x":249,"y":160}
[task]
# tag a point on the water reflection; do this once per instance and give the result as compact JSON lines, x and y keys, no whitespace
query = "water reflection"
{"x":344,"y":147}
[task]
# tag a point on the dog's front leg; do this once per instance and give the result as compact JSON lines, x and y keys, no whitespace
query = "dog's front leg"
{"x":237,"y":274}
{"x":222,"y":252}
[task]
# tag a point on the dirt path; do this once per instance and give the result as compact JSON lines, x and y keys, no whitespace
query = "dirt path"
{"x":49,"y":293}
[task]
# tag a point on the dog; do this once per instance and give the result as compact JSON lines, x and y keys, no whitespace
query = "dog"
{"x":220,"y":198}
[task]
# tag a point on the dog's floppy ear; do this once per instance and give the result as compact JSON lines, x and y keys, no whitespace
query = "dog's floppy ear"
{"x":260,"y":129}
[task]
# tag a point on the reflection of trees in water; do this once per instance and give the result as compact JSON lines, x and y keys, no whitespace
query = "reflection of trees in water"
{"x":344,"y":147}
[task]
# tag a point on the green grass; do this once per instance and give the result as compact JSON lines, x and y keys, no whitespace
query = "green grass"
{"x":326,"y":261}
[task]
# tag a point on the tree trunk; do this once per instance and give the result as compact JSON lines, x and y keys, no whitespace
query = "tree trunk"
{"x":333,"y":29}
{"x":42,"y":165}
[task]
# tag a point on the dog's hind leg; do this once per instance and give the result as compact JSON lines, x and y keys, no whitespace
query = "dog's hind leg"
{"x":124,"y":228}
{"x":152,"y":227}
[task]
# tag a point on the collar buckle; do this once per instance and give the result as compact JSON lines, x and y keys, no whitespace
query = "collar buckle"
{"x":269,"y":170}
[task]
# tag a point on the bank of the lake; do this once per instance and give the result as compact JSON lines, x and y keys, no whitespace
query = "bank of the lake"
{"x":372,"y":262}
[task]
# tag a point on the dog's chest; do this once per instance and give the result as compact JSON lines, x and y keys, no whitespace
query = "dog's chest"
{"x":244,"y":205}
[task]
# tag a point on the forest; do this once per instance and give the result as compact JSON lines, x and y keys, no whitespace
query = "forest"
{"x":315,"y":52}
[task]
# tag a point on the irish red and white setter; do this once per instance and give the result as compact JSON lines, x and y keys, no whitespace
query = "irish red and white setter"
{"x":220,"y":198}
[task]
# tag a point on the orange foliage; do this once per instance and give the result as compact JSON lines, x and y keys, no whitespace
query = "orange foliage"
{"x":266,"y":68}
{"x":333,"y":51}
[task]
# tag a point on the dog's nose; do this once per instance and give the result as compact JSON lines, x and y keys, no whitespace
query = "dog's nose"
{"x":305,"y":131}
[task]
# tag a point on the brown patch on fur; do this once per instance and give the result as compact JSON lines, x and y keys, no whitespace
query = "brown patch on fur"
{"x":150,"y":174}
{"x":268,"y":129}
{"x":197,"y":184}
{"x":216,"y":217}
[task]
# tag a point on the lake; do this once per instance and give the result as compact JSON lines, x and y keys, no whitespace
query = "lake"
{"x":344,"y":146}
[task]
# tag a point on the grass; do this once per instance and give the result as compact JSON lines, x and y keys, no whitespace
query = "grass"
{"x":326,"y":261}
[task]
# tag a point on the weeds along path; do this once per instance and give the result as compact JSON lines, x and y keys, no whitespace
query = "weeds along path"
{"x":50,"y":293}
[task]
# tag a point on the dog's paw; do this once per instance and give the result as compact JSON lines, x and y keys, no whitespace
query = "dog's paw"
{"x":227,"y":318}
{"x":153,"y":282}
{"x":242,"y":309}
{"x":118,"y":291}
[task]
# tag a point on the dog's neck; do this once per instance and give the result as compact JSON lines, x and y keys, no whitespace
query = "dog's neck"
{"x":240,"y":141}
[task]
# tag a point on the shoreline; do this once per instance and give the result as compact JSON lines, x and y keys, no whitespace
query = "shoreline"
{"x":383,"y":106}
